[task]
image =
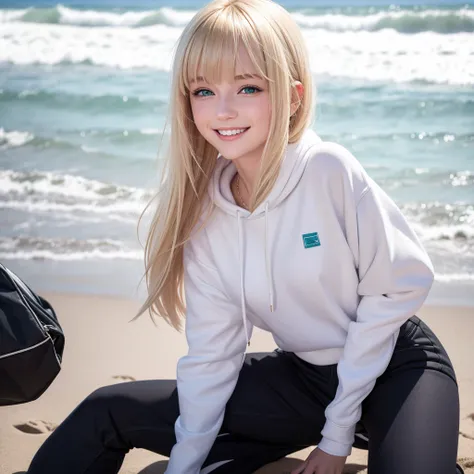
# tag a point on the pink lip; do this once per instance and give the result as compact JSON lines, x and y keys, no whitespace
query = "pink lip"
{"x":229,"y":138}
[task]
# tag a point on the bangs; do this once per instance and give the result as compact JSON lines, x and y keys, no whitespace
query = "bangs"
{"x":212,"y":53}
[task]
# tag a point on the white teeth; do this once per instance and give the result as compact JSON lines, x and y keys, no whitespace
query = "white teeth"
{"x":231,"y":132}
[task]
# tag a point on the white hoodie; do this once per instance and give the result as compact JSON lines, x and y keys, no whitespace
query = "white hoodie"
{"x":334,"y":258}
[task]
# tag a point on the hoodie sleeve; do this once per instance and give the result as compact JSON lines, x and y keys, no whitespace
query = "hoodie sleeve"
{"x":207,"y":375}
{"x":395,"y":276}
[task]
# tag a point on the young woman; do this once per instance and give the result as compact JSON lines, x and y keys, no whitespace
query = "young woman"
{"x":264,"y":224}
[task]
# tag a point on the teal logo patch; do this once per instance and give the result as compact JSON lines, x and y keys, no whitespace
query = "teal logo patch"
{"x":311,"y":240}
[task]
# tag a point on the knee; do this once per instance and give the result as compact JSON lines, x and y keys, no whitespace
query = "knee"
{"x":99,"y":401}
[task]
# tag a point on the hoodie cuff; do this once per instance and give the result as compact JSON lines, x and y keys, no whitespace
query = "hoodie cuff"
{"x":337,"y":440}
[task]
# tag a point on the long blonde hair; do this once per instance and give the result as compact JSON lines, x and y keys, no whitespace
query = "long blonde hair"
{"x":208,"y":46}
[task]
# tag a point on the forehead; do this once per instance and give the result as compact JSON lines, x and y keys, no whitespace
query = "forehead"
{"x":228,"y":64}
{"x":232,"y":66}
{"x":228,"y":77}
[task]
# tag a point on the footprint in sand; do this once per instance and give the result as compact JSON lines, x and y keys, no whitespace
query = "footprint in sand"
{"x":467,"y":429}
{"x":124,"y":377}
{"x":466,"y":463}
{"x":36,"y":427}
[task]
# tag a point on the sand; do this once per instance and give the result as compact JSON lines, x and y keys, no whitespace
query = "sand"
{"x":115,"y":351}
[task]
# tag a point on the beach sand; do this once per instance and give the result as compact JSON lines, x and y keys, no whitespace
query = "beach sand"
{"x":103,"y":348}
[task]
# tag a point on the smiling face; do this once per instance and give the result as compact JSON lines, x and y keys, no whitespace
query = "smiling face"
{"x":238,"y":107}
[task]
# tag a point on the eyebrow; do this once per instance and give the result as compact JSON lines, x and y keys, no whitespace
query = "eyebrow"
{"x":239,"y":77}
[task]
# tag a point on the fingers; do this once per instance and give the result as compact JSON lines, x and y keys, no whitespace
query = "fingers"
{"x":300,"y":469}
{"x":310,"y":469}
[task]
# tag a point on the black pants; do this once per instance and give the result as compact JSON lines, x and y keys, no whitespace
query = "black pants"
{"x":410,"y":419}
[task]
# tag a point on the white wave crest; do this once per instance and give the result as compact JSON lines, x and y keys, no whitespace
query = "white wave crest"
{"x":29,"y":248}
{"x":53,"y":192}
{"x":404,"y":21}
{"x":460,"y":233}
{"x":69,"y":16}
{"x":103,"y":209}
{"x":454,"y":277}
{"x":7,"y":16}
{"x":384,"y":55}
{"x":14,"y":138}
{"x":165,"y":15}
{"x":150,"y":131}
{"x":95,"y":254}
{"x":442,"y":21}
{"x":47,"y":183}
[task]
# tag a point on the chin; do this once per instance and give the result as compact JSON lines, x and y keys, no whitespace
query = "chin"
{"x":233,"y":154}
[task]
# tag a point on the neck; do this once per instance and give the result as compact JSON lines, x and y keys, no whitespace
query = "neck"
{"x":247,"y":170}
{"x":243,"y":183}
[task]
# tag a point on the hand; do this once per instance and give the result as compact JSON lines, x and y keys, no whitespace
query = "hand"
{"x":319,"y":462}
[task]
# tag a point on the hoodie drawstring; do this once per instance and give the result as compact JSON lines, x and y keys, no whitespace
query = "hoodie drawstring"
{"x":242,"y":288}
{"x":268,"y":264}
{"x":268,"y":261}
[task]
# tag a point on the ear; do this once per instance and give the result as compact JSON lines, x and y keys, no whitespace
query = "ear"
{"x":297,"y":92}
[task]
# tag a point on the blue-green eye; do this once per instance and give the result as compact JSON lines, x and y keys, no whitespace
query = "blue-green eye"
{"x":197,"y":93}
{"x":206,"y":91}
{"x":251,"y":87}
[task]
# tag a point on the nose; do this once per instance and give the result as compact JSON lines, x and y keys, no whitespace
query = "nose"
{"x":225,"y":109}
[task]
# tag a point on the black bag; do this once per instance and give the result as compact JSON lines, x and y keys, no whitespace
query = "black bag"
{"x":31,"y":341}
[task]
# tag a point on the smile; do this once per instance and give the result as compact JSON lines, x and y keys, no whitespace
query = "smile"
{"x":231,"y":134}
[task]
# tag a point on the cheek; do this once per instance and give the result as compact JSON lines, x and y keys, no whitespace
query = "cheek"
{"x":264,"y":104}
{"x":195,"y":111}
{"x":263,"y":111}
{"x":199,"y":116}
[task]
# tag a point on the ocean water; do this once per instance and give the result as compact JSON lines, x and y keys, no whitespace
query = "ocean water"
{"x":83,"y":95}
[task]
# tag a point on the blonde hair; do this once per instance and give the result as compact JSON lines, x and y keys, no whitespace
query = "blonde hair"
{"x":208,"y":46}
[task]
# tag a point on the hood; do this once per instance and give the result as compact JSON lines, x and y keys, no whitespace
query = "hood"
{"x":295,"y":158}
{"x":292,"y":167}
